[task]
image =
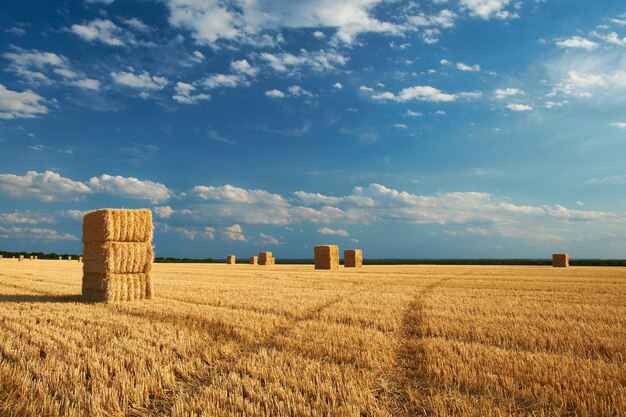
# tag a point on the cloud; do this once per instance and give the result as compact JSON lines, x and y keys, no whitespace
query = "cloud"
{"x":337,"y":86}
{"x":269,"y":240}
{"x":31,"y":64}
{"x":234,"y":232}
{"x":611,"y":38}
{"x":184,"y":94}
{"x":319,"y":35}
{"x":229,"y":193}
{"x":417,"y":93}
{"x":467,"y":68}
{"x":223,"y":80}
{"x":87,"y":83}
{"x":136,"y":24}
{"x":35,"y":233}
{"x":501,"y":93}
{"x":296,"y":90}
{"x":190,"y":233}
{"x":487,"y":9}
{"x":143,"y":80}
{"x":74,"y":214}
{"x":244,"y":22}
{"x":104,"y":31}
{"x":274,"y":93}
{"x":619,"y":125}
{"x":130,"y":187}
{"x":25,"y":218}
{"x":319,"y":61}
{"x":164,"y":212}
{"x":24,"y":105}
{"x":412,"y":113}
{"x":244,"y":67}
{"x":577,"y":42}
{"x":399,"y":126}
{"x":334,"y":232}
{"x":44,"y":186}
{"x":519,"y":107}
{"x":613,"y":180}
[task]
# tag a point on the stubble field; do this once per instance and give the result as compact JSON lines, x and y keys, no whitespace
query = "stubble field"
{"x":246,"y":340}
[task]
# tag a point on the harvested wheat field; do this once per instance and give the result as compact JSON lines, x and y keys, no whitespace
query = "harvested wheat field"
{"x":241,"y":340}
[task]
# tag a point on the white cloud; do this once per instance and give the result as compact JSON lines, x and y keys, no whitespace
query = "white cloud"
{"x":24,"y":105}
{"x":234,"y":232}
{"x":334,"y":232}
{"x":136,"y":24}
{"x":620,"y":125}
{"x":269,"y":240}
{"x":163,"y":212}
{"x":611,"y":38}
{"x":142,"y":80}
{"x":229,"y":193}
{"x":337,"y":86}
{"x":74,"y":214}
{"x":501,"y":93}
{"x":209,"y":233}
{"x":130,"y":187}
{"x":319,"y":61}
{"x":45,"y":186}
{"x":211,"y":21}
{"x":65,"y":72}
{"x":467,"y":68}
{"x":417,"y":93}
{"x":184,"y":94}
{"x":223,"y":80}
{"x":399,"y":126}
{"x":366,"y":89}
{"x":318,"y":35}
{"x":31,"y":64}
{"x":296,"y":90}
{"x":413,"y":113}
{"x":198,"y":56}
{"x":614,"y":180}
{"x":274,"y":93}
{"x":486,"y":9}
{"x":103,"y":30}
{"x":519,"y":107}
{"x":25,"y":218}
{"x":244,"y":67}
{"x":99,"y":1}
{"x":88,"y":83}
{"x":577,"y":42}
{"x":35,"y":233}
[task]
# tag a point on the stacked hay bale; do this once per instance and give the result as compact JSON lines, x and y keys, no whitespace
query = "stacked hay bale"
{"x":60,"y":258}
{"x":560,"y":260}
{"x":254,"y":260}
{"x":31,"y":257}
{"x":69,"y":257}
{"x":230,"y":259}
{"x":118,"y":255}
{"x":21,"y":258}
{"x":353,"y":258}
{"x":80,"y":259}
{"x":326,"y":257}
{"x":36,"y":257}
{"x":265,"y":258}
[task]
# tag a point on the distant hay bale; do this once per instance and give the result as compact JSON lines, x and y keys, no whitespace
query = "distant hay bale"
{"x":326,"y":256}
{"x":117,"y":255}
{"x":230,"y":259}
{"x":265,"y":258}
{"x":60,"y":258}
{"x":80,"y":259}
{"x":21,"y":258}
{"x":1,"y":256}
{"x":31,"y":257}
{"x":69,"y":257}
{"x":254,"y":260}
{"x":353,"y":258}
{"x":36,"y":257}
{"x":560,"y":260}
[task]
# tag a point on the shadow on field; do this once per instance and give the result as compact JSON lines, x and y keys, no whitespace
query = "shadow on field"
{"x":43,"y":298}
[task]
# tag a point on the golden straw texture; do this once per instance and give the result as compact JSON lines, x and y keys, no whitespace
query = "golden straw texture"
{"x":118,"y":225}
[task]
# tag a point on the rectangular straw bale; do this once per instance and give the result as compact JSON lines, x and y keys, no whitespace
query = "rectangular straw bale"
{"x":353,"y":258}
{"x":60,"y":258}
{"x":117,"y":287}
{"x":326,"y":256}
{"x":31,"y":257}
{"x":118,"y":225}
{"x":230,"y":259}
{"x":560,"y":260}
{"x":254,"y":260}
{"x":21,"y":258}
{"x":69,"y":257}
{"x":117,"y":257}
{"x":265,"y":258}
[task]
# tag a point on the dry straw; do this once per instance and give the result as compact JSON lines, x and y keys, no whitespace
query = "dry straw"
{"x":326,"y":256}
{"x":560,"y":260}
{"x":117,"y":255}
{"x":21,"y":258}
{"x":254,"y":260}
{"x":230,"y":259}
{"x":353,"y":258}
{"x":265,"y":258}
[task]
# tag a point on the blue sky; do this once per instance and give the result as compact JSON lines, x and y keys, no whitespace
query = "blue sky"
{"x":441,"y":129}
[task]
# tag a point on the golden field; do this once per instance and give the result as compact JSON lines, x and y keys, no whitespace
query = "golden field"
{"x":242,"y":340}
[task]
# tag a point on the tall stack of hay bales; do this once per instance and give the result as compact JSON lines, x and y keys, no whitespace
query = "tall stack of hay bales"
{"x":353,"y":258}
{"x":326,"y":256}
{"x":117,"y":255}
{"x":230,"y":259}
{"x":560,"y":260}
{"x":254,"y":260}
{"x":265,"y":258}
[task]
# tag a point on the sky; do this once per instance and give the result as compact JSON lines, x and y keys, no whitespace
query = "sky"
{"x":409,"y":129}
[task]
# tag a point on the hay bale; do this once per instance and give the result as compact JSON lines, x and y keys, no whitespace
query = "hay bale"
{"x":230,"y":259}
{"x":118,"y":225}
{"x":117,"y":255}
{"x":69,"y":257}
{"x":254,"y":260}
{"x":560,"y":260}
{"x":31,"y":257}
{"x":36,"y":257}
{"x":60,"y":258}
{"x":326,"y":256}
{"x":80,"y":259}
{"x":353,"y":258}
{"x":265,"y":258}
